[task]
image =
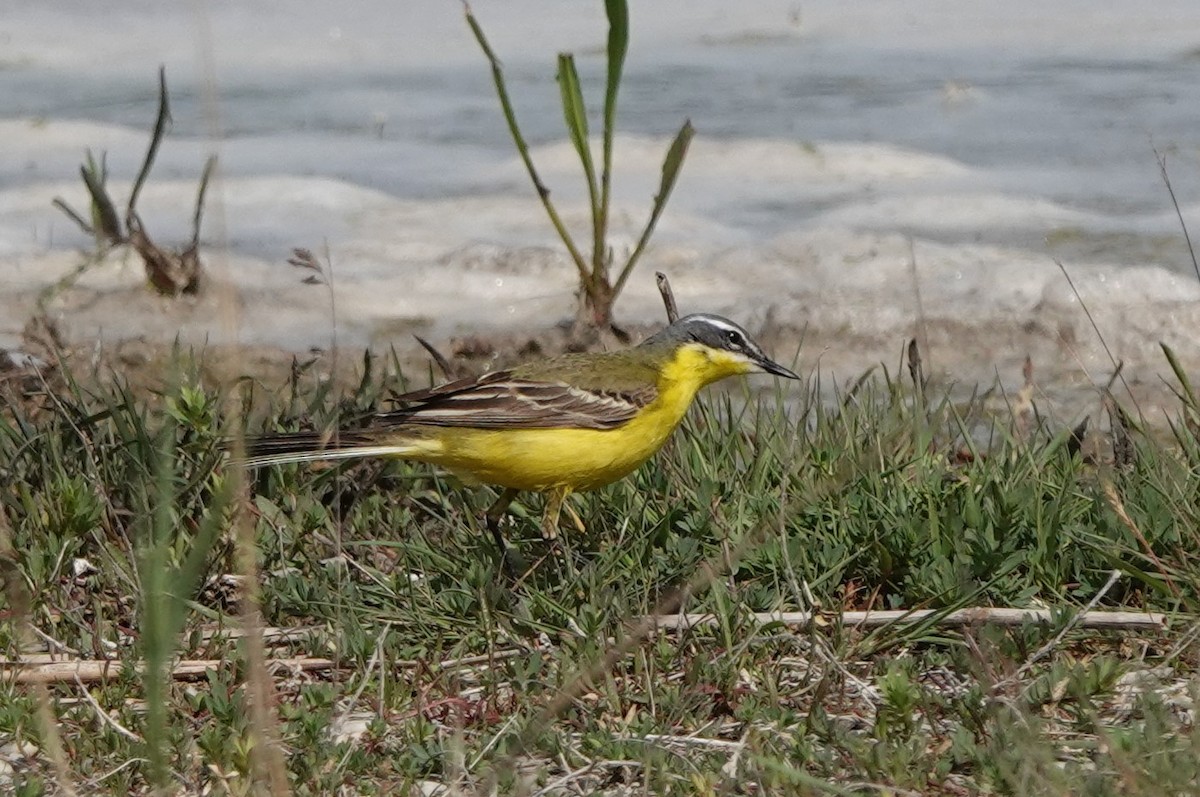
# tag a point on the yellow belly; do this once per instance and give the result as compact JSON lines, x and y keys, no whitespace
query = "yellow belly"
{"x":546,"y":459}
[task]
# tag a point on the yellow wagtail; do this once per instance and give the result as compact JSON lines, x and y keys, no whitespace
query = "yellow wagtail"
{"x":558,"y":426}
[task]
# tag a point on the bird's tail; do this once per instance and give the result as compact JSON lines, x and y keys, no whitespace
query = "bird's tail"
{"x":278,"y":449}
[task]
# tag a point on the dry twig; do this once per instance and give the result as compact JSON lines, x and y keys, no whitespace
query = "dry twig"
{"x":668,"y":296}
{"x":984,"y":615}
{"x":95,"y":670}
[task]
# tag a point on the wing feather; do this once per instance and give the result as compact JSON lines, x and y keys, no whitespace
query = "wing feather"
{"x":501,"y":400}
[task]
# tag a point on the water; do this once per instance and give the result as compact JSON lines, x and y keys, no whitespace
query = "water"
{"x":830,"y":135}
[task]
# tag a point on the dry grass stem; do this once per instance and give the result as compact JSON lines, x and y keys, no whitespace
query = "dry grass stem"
{"x":101,"y":670}
{"x":984,"y":615}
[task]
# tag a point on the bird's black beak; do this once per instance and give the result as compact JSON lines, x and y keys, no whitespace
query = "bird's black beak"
{"x":772,"y":367}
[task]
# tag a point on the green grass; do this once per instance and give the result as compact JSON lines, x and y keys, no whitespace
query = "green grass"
{"x":123,"y":519}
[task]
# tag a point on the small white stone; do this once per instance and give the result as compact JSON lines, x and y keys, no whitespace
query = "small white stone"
{"x":18,"y":749}
{"x":351,"y":727}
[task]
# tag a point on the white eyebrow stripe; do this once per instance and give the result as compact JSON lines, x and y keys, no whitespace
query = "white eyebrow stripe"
{"x":719,"y":323}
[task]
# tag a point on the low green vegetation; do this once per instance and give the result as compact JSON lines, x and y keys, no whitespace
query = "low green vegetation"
{"x":125,"y":524}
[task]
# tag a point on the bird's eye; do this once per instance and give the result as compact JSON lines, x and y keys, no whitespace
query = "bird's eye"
{"x":733,"y":338}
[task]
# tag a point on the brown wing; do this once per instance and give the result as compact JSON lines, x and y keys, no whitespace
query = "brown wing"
{"x":501,"y":401}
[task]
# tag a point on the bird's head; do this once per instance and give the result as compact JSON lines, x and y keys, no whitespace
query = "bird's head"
{"x":715,"y":347}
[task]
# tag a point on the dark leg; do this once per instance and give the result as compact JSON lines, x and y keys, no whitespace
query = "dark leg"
{"x":494,"y":513}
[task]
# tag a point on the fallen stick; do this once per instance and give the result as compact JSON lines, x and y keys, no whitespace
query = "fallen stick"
{"x":51,"y":668}
{"x":93,"y":670}
{"x":231,"y":632}
{"x":1115,"y":620}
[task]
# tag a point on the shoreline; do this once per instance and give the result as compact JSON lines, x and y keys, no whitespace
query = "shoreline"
{"x":1069,"y":370}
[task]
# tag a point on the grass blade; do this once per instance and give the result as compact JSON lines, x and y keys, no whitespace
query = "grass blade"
{"x":198,"y":213}
{"x":523,"y":148}
{"x":160,"y":129}
{"x":104,"y":216}
{"x":1189,"y":395}
{"x":670,"y":171}
{"x":575,"y":115}
{"x":618,"y":44}
{"x":72,"y":214}
{"x":157,"y":647}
